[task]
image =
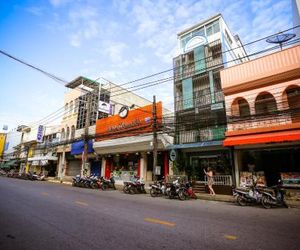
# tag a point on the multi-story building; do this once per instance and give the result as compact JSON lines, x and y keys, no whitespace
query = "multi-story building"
{"x":262,"y":98}
{"x":200,"y":118}
{"x":102,"y":100}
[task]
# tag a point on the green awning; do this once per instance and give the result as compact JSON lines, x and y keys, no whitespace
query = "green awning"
{"x":8,"y":164}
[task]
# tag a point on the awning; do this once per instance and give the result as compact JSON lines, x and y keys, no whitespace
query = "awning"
{"x":8,"y":164}
{"x":78,"y":147}
{"x":131,"y":144}
{"x":43,"y":157}
{"x":279,"y":136}
{"x":196,"y":145}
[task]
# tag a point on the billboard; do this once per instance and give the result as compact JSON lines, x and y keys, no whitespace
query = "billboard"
{"x":135,"y":122}
{"x":104,"y":107}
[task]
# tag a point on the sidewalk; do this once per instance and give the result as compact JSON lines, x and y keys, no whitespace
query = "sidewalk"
{"x":293,"y":203}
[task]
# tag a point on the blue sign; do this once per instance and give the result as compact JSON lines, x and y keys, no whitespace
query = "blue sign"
{"x":40,"y":133}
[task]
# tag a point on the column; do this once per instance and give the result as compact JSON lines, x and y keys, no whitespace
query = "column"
{"x":211,"y":86}
{"x":103,"y":165}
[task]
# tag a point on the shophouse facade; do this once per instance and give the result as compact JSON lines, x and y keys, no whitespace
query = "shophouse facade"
{"x":200,"y":118}
{"x":262,"y":99}
{"x":125,"y":143}
{"x":44,"y":158}
{"x":105,"y":100}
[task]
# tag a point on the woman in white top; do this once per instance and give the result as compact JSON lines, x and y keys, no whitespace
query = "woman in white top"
{"x":210,"y":180}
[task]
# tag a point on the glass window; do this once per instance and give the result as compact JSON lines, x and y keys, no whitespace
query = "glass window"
{"x":216,"y":26}
{"x":209,"y":31}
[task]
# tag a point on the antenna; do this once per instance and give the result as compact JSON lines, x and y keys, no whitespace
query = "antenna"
{"x":280,"y":39}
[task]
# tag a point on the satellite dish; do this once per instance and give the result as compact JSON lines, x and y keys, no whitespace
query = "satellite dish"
{"x":280,"y":38}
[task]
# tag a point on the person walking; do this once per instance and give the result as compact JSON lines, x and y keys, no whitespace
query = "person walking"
{"x":210,"y":180}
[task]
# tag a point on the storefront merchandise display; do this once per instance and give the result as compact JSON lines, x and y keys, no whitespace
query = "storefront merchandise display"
{"x":290,"y":179}
{"x":248,"y":178}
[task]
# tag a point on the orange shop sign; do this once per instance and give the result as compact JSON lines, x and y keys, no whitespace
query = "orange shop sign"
{"x":137,"y":121}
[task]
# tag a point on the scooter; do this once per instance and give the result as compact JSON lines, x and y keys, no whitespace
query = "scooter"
{"x":158,"y":188}
{"x":274,"y":198}
{"x":246,"y":196}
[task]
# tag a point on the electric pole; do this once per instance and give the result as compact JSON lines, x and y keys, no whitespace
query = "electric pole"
{"x":154,"y":129}
{"x":86,"y":132}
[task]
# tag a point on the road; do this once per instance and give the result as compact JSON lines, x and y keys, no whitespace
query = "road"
{"x":42,"y":215}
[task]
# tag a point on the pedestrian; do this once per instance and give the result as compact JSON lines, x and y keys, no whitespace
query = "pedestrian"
{"x":210,"y":180}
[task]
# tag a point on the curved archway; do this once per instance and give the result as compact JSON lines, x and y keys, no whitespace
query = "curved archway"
{"x":63,"y":134}
{"x":265,"y":103}
{"x":240,"y":107}
{"x":68,"y":133}
{"x":291,"y":95}
{"x":72,"y":132}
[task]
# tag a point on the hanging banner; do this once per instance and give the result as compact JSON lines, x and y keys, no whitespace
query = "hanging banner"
{"x":40,"y":133}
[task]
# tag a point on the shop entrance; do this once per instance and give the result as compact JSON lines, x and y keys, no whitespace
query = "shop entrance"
{"x":199,"y":163}
{"x":271,"y":163}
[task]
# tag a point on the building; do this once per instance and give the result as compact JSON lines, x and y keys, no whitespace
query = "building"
{"x":43,"y":159}
{"x":104,"y":100}
{"x":200,"y":118}
{"x":262,"y":99}
{"x":124,"y":142}
{"x":296,"y":16}
{"x":2,"y":144}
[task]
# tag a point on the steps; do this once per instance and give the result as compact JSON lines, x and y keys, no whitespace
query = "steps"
{"x":199,"y":188}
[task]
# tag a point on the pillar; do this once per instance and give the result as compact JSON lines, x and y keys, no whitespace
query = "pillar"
{"x":166,"y":163}
{"x":103,"y":165}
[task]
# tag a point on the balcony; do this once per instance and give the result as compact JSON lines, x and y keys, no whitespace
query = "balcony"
{"x":201,"y":135}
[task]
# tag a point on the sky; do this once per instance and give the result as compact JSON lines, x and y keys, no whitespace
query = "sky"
{"x":120,"y":40}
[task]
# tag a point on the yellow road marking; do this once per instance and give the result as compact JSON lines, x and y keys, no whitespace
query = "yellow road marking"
{"x":165,"y":223}
{"x":81,"y":203}
{"x":230,"y":237}
{"x":44,"y":193}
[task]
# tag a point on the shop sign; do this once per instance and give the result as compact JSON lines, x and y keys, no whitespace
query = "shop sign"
{"x":40,"y":133}
{"x":173,"y":155}
{"x":134,"y":119}
{"x":217,"y":106}
{"x":104,"y":107}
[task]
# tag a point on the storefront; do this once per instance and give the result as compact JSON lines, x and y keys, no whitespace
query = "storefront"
{"x":266,"y":158}
{"x":193,"y":158}
{"x":125,"y":144}
{"x":43,"y":164}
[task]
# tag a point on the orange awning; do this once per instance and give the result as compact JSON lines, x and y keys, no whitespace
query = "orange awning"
{"x":279,"y":136}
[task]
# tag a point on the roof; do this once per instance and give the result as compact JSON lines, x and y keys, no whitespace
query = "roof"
{"x":199,"y":24}
{"x":81,"y":80}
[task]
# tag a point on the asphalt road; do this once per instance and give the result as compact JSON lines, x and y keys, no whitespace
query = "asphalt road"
{"x":42,"y":215}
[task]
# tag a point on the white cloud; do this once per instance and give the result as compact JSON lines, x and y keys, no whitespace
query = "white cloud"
{"x":58,"y":3}
{"x":35,"y":10}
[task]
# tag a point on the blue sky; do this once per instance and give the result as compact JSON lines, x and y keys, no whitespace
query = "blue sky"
{"x":118,"y":40}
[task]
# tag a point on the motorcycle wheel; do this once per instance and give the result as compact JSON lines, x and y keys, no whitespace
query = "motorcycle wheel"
{"x":94,"y":185}
{"x":153,"y":192}
{"x":103,"y":187}
{"x":265,"y":202}
{"x":181,"y":195}
{"x":74,"y":184}
{"x":126,"y":189}
{"x":240,"y":200}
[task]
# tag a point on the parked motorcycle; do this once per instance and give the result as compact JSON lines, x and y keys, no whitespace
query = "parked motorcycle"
{"x":188,"y":191}
{"x":77,"y":182}
{"x":108,"y":183}
{"x":246,"y":196}
{"x":158,"y":188}
{"x":274,"y":197}
{"x":135,"y":186}
{"x":175,"y":189}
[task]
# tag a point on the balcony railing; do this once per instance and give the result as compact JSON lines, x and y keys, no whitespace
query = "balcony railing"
{"x":201,"y":135}
{"x":281,"y":117}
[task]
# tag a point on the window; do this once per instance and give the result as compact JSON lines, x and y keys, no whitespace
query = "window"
{"x":63,"y":134}
{"x":212,"y":28}
{"x":71,"y":107}
{"x":229,"y":40}
{"x":72,"y":132}
{"x":243,"y":108}
{"x":265,"y":103}
{"x":68,"y":133}
{"x":105,"y":96}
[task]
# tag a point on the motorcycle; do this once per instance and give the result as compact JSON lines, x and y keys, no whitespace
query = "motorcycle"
{"x":188,"y":191}
{"x":135,"y":186}
{"x":77,"y":182}
{"x":274,"y":197}
{"x":108,"y":183}
{"x":175,"y":189}
{"x":158,"y":188}
{"x":246,"y":196}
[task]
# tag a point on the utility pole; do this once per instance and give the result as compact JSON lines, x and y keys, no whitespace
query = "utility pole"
{"x":154,"y":129}
{"x":86,"y":132}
